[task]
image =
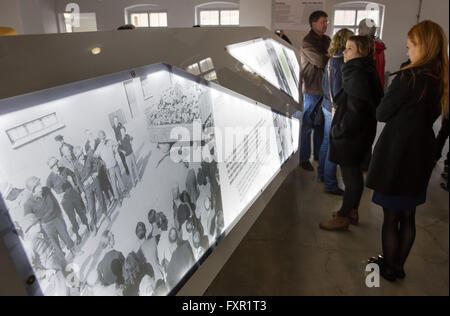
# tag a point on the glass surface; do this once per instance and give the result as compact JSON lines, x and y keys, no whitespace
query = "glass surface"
{"x":211,"y":76}
{"x":198,"y":155}
{"x":206,"y":65}
{"x":194,"y":69}
{"x":139,"y":19}
{"x":229,"y":17}
{"x":158,"y":19}
{"x":344,"y":17}
{"x":364,"y":14}
{"x":272,"y":61}
{"x":209,"y":17}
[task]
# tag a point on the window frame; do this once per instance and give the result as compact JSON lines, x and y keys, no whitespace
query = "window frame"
{"x":205,"y":74}
{"x":219,"y":10}
{"x":148,"y":12}
{"x":34,"y":135}
{"x":358,"y":6}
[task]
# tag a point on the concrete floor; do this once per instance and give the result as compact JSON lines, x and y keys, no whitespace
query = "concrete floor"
{"x":285,"y":252}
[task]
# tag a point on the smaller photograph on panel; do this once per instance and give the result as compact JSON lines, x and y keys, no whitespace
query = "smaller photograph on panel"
{"x":284,"y":136}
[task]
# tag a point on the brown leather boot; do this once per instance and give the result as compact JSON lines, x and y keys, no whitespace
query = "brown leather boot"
{"x":336,"y":224}
{"x":354,"y":217}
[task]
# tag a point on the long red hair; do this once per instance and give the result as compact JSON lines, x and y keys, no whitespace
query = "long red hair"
{"x":431,"y":41}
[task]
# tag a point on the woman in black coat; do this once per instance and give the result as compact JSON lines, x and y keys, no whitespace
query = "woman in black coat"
{"x":354,"y":125}
{"x":404,"y":156}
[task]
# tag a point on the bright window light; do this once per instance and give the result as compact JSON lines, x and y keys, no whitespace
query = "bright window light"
{"x":139,"y":19}
{"x":209,"y":17}
{"x":363,"y":14}
{"x":344,"y":17}
{"x":158,"y":19}
{"x":229,"y":17}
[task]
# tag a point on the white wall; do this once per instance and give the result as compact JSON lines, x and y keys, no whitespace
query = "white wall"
{"x":29,"y":16}
{"x":436,"y":10}
{"x":256,"y":13}
{"x":49,"y":17}
{"x":10,"y":15}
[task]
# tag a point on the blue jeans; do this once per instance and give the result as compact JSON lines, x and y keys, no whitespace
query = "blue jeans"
{"x":309,"y":101}
{"x":327,"y":169}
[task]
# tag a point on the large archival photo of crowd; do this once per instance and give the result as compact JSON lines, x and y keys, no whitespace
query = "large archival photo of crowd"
{"x":99,"y":203}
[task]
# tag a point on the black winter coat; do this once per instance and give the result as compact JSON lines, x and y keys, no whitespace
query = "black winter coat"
{"x":404,"y":155}
{"x":354,"y":125}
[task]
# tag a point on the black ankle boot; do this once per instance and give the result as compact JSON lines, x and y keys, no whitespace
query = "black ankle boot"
{"x":387,"y":273}
{"x":400,"y":274}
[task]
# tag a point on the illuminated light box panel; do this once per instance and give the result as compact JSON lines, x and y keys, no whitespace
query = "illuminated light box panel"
{"x":125,"y":183}
{"x":272,"y":61}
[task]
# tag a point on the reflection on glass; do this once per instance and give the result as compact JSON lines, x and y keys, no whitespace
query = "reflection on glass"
{"x":272,"y":61}
{"x":204,"y":68}
{"x":211,"y":76}
{"x":194,"y":69}
{"x":206,"y":65}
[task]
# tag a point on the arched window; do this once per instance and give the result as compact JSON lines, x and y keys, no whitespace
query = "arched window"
{"x":350,"y":14}
{"x":217,"y":14}
{"x":146,"y":15}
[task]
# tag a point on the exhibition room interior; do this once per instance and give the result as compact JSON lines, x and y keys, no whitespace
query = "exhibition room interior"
{"x":213,"y":148}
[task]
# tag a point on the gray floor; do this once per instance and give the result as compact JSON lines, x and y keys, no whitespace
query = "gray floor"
{"x":285,"y":253}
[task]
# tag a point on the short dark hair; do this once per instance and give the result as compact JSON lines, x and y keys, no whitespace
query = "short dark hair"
{"x":316,"y":15}
{"x":140,"y":225}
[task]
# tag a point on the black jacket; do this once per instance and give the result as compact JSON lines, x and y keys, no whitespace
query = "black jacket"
{"x":404,"y":156}
{"x":354,"y":125}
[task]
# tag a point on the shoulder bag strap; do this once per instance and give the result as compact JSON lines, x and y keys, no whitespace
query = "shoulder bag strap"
{"x":333,"y":108}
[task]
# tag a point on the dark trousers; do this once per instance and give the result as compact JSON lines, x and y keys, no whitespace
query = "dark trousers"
{"x":309,"y":102}
{"x":93,"y":195}
{"x":105,"y":185}
{"x":124,"y":161}
{"x":354,"y":188}
{"x":57,"y":228}
{"x":73,"y":205}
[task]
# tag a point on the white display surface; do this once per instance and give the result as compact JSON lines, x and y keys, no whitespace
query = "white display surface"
{"x":248,"y":151}
{"x":140,"y":233}
{"x":272,"y":61}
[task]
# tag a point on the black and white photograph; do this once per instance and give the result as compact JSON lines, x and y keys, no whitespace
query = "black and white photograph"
{"x":103,"y":201}
{"x":272,"y":61}
{"x":284,"y":136}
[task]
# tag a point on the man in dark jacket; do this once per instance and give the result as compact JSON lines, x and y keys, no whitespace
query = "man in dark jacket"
{"x":44,"y":206}
{"x":313,"y":61}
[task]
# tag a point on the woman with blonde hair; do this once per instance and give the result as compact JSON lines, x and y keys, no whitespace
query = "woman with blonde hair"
{"x":404,"y":156}
{"x":331,"y":84}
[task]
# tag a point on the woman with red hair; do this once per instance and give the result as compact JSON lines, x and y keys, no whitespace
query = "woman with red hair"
{"x":404,"y":156}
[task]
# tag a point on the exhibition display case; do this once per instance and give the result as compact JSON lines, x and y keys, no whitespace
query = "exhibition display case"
{"x":127,"y":166}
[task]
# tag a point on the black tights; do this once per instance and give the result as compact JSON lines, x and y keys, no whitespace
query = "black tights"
{"x":399,"y":234}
